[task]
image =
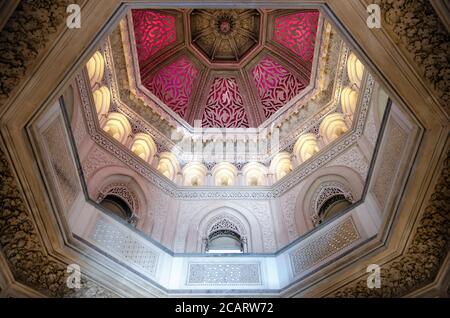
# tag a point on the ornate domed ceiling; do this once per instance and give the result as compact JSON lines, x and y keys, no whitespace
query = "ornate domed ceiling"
{"x":225,"y":35}
{"x":225,"y":68}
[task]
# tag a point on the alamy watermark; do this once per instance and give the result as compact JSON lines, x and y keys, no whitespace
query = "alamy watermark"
{"x":374,"y":18}
{"x":374,"y":279}
{"x":73,"y":280}
{"x":73,"y":20}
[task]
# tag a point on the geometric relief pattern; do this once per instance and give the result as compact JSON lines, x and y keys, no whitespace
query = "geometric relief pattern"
{"x":261,"y":210}
{"x":297,"y":32}
{"x":96,"y":160}
{"x":332,"y":241}
{"x":79,"y":130}
{"x":389,"y":159}
{"x":224,"y":274}
{"x":112,"y":238}
{"x":288,"y":211}
{"x":173,"y":84}
{"x":63,"y":168}
{"x":370,"y":130}
{"x":159,"y":204}
{"x":153,"y":31}
{"x":354,"y":159}
{"x":224,"y":105}
{"x":276,"y":85}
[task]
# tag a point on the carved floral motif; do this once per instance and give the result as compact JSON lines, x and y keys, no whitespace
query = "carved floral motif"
{"x":276,"y":85}
{"x":24,"y":36}
{"x":224,"y":105}
{"x":153,"y":32}
{"x":417,"y":28}
{"x":173,"y":84}
{"x":297,"y":32}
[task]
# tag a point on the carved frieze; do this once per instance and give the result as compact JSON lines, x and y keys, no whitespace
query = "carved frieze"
{"x":224,"y":274}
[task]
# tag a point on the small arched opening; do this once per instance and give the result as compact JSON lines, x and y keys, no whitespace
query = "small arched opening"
{"x":118,"y":206}
{"x":224,"y":241}
{"x":333,"y":206}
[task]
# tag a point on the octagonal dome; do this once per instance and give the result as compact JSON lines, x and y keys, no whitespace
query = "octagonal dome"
{"x":225,"y":35}
{"x":224,"y":68}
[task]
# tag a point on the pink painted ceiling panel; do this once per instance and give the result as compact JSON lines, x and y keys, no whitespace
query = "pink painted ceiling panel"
{"x":173,"y":84}
{"x":153,"y":31}
{"x":297,"y":32}
{"x":276,"y":85}
{"x":224,"y":105}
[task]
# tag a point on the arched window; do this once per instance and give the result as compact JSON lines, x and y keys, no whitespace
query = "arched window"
{"x":332,"y":206}
{"x":225,"y":235}
{"x":117,"y":126}
{"x":224,"y":241}
{"x":306,"y":147}
{"x":255,"y":174}
{"x":144,"y":147}
{"x":349,"y":99}
{"x":117,"y":206}
{"x":330,"y":199}
{"x":102,"y":100}
{"x":168,"y":165}
{"x":194,"y":174}
{"x":95,"y":68}
{"x":355,"y":70}
{"x":121,"y":201}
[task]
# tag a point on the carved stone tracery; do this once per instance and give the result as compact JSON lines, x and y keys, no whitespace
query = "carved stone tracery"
{"x":124,"y":192}
{"x":25,"y":36}
{"x":225,"y":223}
{"x":325,"y":192}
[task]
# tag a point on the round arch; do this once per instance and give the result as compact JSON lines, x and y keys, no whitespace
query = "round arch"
{"x":201,"y":219}
{"x":348,"y":178}
{"x":115,"y":178}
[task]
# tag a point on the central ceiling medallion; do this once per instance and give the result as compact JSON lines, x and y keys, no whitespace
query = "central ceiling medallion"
{"x":225,"y":35}
{"x":225,"y":24}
